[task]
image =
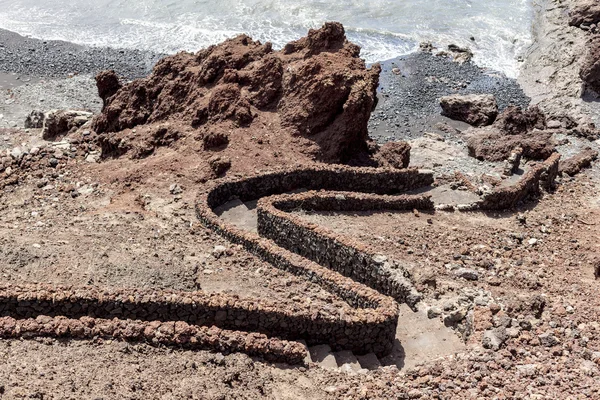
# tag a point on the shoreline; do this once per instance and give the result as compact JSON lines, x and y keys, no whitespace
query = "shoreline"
{"x":406,"y":108}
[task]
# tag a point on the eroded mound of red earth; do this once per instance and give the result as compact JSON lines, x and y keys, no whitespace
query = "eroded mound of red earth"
{"x":315,"y":96}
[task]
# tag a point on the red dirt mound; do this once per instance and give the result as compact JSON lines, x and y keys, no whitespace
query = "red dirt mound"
{"x":316,"y":88}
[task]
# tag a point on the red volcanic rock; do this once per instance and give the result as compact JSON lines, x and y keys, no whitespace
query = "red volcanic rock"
{"x":572,"y":166}
{"x":316,"y":88}
{"x":495,"y":146}
{"x":514,"y":128}
{"x":514,"y":121}
{"x":108,"y":84}
{"x":394,"y":155}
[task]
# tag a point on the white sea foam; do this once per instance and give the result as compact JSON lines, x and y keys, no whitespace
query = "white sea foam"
{"x":384,"y":28}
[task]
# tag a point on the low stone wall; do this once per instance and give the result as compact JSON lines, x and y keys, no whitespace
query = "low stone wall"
{"x":371,"y":325}
{"x":506,"y":197}
{"x":339,"y":253}
{"x":175,"y":333}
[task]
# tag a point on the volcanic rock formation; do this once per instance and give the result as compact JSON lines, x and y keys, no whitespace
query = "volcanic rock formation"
{"x":316,"y":88}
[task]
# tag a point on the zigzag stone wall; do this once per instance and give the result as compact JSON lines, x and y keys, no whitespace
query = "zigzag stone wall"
{"x":371,"y":325}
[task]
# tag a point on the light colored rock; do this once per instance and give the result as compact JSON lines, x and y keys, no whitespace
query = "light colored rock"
{"x":175,"y":189}
{"x":474,"y":109}
{"x":219,"y":250}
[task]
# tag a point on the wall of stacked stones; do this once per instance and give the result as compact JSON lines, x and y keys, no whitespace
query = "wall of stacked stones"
{"x":342,"y":254}
{"x":371,"y":325}
{"x":538,"y":176}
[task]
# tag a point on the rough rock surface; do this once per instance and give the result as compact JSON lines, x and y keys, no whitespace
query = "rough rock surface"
{"x":34,"y":120}
{"x":515,"y":121}
{"x":585,"y":12}
{"x":60,"y":122}
{"x":108,"y":84}
{"x":590,"y":70}
{"x":575,"y":164}
{"x":474,"y":109}
{"x":513,"y":129}
{"x":394,"y":155}
{"x":315,"y":88}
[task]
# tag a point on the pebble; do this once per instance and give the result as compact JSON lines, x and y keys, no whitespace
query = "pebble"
{"x":468,"y":274}
{"x":219,"y":250}
{"x":175,"y":189}
{"x":433,"y":312}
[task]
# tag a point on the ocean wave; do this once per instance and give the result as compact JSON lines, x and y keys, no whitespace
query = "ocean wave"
{"x":383,"y":29}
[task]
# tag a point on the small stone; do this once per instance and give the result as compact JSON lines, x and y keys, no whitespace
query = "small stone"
{"x":175,"y":189}
{"x":533,"y":241}
{"x":468,"y":274}
{"x":548,"y":339}
{"x":494,"y":338}
{"x":219,"y":250}
{"x":433,"y":312}
{"x":53,"y":162}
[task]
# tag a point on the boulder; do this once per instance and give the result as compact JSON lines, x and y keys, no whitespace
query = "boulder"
{"x":394,"y":155}
{"x":514,"y":128}
{"x":459,"y":54}
{"x":515,"y":121}
{"x":474,"y":109}
{"x":58,"y":123}
{"x":493,"y":145}
{"x":572,"y":166}
{"x":34,"y":120}
{"x":108,"y":85}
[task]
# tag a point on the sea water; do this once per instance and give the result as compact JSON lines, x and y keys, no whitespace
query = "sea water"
{"x":385,"y":29}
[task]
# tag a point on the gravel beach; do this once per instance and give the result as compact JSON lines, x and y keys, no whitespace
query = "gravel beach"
{"x":57,"y":59}
{"x":410,"y":86}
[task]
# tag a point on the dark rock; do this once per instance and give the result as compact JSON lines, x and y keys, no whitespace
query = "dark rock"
{"x":214,"y":140}
{"x":59,"y":123}
{"x":34,"y":120}
{"x":585,"y":12}
{"x":219,"y":165}
{"x":515,"y":121}
{"x":493,"y":145}
{"x":108,"y":85}
{"x":590,"y":70}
